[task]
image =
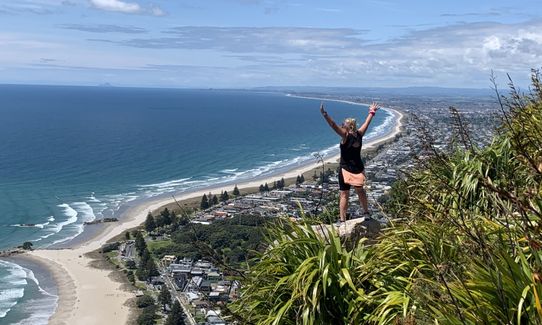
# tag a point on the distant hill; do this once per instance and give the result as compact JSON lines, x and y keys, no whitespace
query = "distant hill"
{"x":405,"y":91}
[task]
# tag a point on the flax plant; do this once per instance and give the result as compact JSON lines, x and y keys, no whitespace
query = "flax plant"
{"x":306,"y":276}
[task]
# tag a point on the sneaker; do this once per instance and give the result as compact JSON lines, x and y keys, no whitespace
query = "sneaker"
{"x":338,"y":223}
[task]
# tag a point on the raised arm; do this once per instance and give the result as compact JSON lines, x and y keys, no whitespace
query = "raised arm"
{"x":372,"y":110}
{"x":339,"y":130}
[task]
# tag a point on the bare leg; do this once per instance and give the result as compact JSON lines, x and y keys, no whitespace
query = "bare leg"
{"x":362,"y":195}
{"x":343,"y":204}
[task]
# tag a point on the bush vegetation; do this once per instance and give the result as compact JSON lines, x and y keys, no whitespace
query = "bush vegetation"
{"x":464,"y":246}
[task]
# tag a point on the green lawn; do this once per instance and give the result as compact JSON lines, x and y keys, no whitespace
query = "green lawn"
{"x":157,"y":244}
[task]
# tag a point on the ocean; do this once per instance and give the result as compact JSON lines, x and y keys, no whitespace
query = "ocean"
{"x":75,"y":154}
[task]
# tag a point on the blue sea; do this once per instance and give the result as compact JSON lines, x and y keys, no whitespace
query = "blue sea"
{"x":75,"y":154}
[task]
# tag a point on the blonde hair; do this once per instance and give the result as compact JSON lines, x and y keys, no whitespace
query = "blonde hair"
{"x":350,"y":124}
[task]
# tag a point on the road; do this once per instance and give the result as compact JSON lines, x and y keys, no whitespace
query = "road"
{"x":180,"y":298}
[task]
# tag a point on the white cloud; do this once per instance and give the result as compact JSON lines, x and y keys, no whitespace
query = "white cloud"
{"x":157,"y":11}
{"x":127,"y":7}
{"x":40,"y":7}
{"x":117,"y":5}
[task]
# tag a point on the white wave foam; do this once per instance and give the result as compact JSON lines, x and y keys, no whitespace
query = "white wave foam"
{"x":45,"y":236}
{"x":299,"y":147}
{"x":68,"y":212}
{"x":81,"y":209}
{"x":92,"y":198}
{"x":32,"y":225}
{"x":51,"y":219}
{"x":30,"y":275}
{"x":383,"y":127}
{"x":84,"y":210}
{"x":11,"y":286}
{"x":229,"y":171}
{"x":42,"y":225}
{"x":131,"y":198}
{"x":165,"y":184}
{"x":40,"y":311}
{"x":8,"y":299}
{"x":12,"y":289}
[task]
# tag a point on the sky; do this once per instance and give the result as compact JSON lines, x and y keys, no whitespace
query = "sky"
{"x":251,"y":43}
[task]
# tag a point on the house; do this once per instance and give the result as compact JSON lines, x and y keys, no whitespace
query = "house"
{"x":214,"y":276}
{"x":214,"y":320}
{"x":212,"y":317}
{"x":205,"y":286}
{"x":200,"y":304}
{"x":214,"y":296}
{"x":191,"y":296}
{"x":168,"y":259}
{"x":157,"y":280}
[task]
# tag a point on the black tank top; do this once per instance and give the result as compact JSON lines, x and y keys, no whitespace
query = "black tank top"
{"x":351,"y":154}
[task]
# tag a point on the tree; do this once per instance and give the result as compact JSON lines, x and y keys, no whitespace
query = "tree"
{"x":166,"y":217}
{"x":224,"y":196}
{"x":145,"y":256}
{"x":262,"y":188}
{"x":145,"y":301}
{"x":174,"y":219}
{"x":236,"y":191}
{"x":142,"y":274}
{"x":146,"y":268}
{"x":266,"y":187}
{"x":148,"y":314}
{"x":184,"y":219}
{"x":130,"y":276}
{"x":204,"y":202}
{"x":150,"y":224}
{"x":140,"y":244}
{"x":127,"y":235}
{"x":298,"y":180}
{"x":27,"y":245}
{"x":131,"y":265}
{"x":152,"y":270}
{"x":215,"y":200}
{"x":146,"y":318}
{"x":176,"y":317}
{"x":302,"y":178}
{"x":164,"y":298}
{"x":142,"y":271}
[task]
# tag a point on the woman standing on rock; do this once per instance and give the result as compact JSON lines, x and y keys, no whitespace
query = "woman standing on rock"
{"x":352,"y":170}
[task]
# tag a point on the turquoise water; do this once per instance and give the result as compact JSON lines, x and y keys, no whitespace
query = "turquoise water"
{"x":73,"y":154}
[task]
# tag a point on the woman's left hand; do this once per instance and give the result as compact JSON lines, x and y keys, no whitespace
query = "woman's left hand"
{"x":374,"y":107}
{"x":322,"y":110}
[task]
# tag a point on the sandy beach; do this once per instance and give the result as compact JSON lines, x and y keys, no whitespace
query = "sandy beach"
{"x":88,"y":295}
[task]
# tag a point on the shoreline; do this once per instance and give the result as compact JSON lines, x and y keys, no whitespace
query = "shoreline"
{"x":88,"y":295}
